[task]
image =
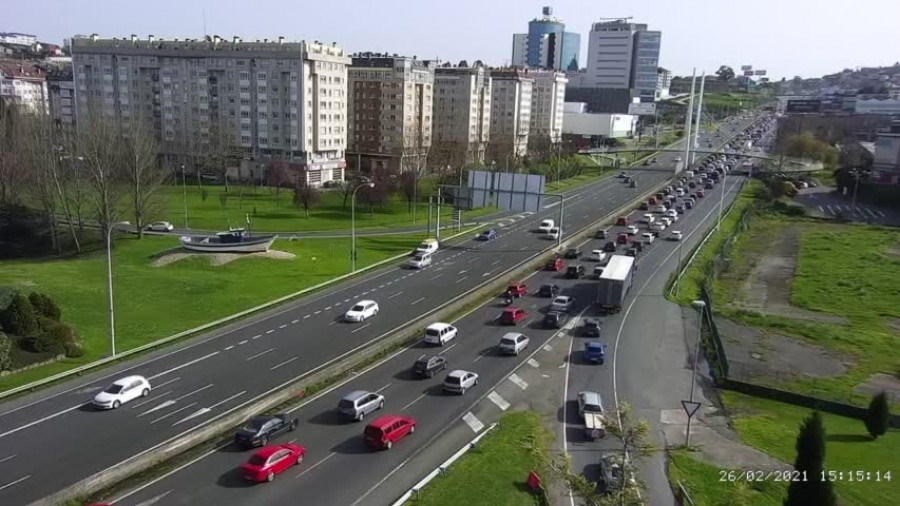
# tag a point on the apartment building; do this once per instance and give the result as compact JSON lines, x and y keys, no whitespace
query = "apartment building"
{"x":547,"y":103}
{"x":24,"y":86}
{"x":390,"y":112}
{"x":61,"y":96}
{"x":272,"y":100}
{"x":462,"y":112}
{"x":511,"y":91}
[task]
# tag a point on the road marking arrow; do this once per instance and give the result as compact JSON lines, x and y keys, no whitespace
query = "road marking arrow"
{"x":161,"y":406}
{"x":195,"y":414}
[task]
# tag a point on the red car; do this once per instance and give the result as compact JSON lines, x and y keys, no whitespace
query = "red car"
{"x":700,"y":194}
{"x":622,"y":221}
{"x":622,"y":238}
{"x":555,"y":264}
{"x":652,"y":201}
{"x":512,"y":315}
{"x":517,"y":289}
{"x":271,"y":460}
{"x":387,"y":430}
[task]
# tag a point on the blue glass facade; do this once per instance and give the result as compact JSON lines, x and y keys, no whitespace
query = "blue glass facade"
{"x":537,"y":28}
{"x":571,"y":49}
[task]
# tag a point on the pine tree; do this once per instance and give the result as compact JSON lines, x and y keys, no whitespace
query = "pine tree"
{"x":810,"y":463}
{"x":18,"y":318}
{"x":877,"y":416}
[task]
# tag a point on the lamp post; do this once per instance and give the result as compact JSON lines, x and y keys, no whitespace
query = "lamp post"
{"x":353,"y":223}
{"x":700,"y":306}
{"x":687,"y":126}
{"x":855,"y":187}
{"x":109,"y":288}
{"x":511,"y":153}
{"x":184,"y":192}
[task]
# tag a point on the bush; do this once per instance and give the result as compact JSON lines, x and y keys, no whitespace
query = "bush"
{"x":40,"y":342}
{"x":44,"y":305}
{"x":878,"y":416}
{"x":5,"y":351}
{"x":74,"y":349}
{"x":18,"y":318}
{"x":58,"y":332}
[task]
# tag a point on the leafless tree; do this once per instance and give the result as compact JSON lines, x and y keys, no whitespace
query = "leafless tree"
{"x":98,"y":143}
{"x":305,"y":194}
{"x":37,"y":156}
{"x":142,"y":172}
{"x":12,"y":173}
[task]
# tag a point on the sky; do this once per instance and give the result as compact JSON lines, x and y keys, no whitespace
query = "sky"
{"x":808,"y":38}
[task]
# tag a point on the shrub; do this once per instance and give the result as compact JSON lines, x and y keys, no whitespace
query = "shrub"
{"x":878,"y":415}
{"x":18,"y":318}
{"x":44,"y":305}
{"x":58,"y":332}
{"x":39,"y":342}
{"x":74,"y":349}
{"x":5,"y":351}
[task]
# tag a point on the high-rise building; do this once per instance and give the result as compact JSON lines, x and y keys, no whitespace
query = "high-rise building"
{"x":462,"y":111}
{"x":546,"y":45}
{"x":390,"y":116}
{"x":270,"y":99}
{"x":623,"y":55}
{"x":547,"y":103}
{"x":510,"y":114}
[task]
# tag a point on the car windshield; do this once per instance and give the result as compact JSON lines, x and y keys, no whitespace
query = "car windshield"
{"x":114,"y":389}
{"x":592,"y":324}
{"x":256,"y":460}
{"x":373,"y":432}
{"x":432,"y":332}
{"x":507,"y":340}
{"x":453,"y":380}
{"x":592,"y":408}
{"x":358,"y":307}
{"x":422,"y":364}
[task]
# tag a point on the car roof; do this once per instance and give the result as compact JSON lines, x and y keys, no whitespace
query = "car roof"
{"x":128,"y":380}
{"x":457,"y":373}
{"x":267,"y":451}
{"x":386,"y":420}
{"x":591,"y":321}
{"x":356,"y":394}
{"x":364,"y":302}
{"x":589,"y":396}
{"x":511,"y":335}
{"x":595,"y":344}
{"x":438,"y":326}
{"x":511,"y":309}
{"x":566,"y":297}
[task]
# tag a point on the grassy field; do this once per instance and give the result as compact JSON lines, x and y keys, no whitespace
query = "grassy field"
{"x":154,"y":302}
{"x":271,"y":211}
{"x":494,"y":472}
{"x":772,"y":427}
{"x":706,"y":488}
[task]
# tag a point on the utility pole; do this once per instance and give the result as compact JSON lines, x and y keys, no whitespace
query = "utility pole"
{"x":687,"y":124}
{"x":699,"y":116}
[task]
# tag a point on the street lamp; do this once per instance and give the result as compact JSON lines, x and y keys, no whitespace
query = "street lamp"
{"x":353,"y":223}
{"x":109,"y":287}
{"x":699,"y":305}
{"x":184,"y":192}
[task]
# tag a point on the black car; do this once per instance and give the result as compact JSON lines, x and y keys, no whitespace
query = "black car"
{"x":261,"y":429}
{"x":709,"y":186}
{"x":427,"y":365}
{"x":611,"y":473}
{"x":644,"y":206}
{"x":574,"y":271}
{"x":632,"y":252}
{"x":555,"y":319}
{"x":603,"y":233}
{"x":591,"y":328}
{"x":572,"y":253}
{"x":692,"y":185}
{"x":609,"y":247}
{"x":548,"y":291}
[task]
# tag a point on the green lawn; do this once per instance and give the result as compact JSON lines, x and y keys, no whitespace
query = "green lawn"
{"x":154,"y":302}
{"x":772,"y":427}
{"x":271,"y":211}
{"x":704,"y":484}
{"x":494,"y":472}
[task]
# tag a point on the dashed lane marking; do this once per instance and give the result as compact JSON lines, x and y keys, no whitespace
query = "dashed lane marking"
{"x":360,"y":328}
{"x":179,"y":410}
{"x":498,"y":400}
{"x":518,"y":381}
{"x":420,"y":299}
{"x":260,"y":354}
{"x":317,"y":464}
{"x":294,"y":322}
{"x":473,"y":422}
{"x":417,"y":399}
{"x":286,"y":362}
{"x":533,"y":363}
{"x":307,"y":316}
{"x":460,"y":280}
{"x":242,"y":342}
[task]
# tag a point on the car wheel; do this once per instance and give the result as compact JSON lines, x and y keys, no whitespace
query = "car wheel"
{"x":429,"y":374}
{"x":263,"y":441}
{"x":360,"y":416}
{"x":381,"y":405}
{"x":388,"y":445}
{"x":412,"y":429}
{"x":293,"y":426}
{"x":517,"y":352}
{"x":270,"y":476}
{"x":444,"y":366}
{"x":299,"y":459}
{"x":145,"y":393}
{"x":116,"y":404}
{"x":462,"y":391}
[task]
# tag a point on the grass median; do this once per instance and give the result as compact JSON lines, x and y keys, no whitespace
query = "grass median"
{"x":495,"y":471}
{"x":706,"y":487}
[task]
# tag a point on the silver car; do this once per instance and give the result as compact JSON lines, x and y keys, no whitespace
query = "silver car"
{"x":356,"y":405}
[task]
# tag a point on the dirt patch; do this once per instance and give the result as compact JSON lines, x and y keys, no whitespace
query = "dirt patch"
{"x":880,"y":382}
{"x":216,"y":259}
{"x":768,"y":287}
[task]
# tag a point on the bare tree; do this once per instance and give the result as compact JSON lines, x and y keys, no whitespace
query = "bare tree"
{"x":222,"y":151}
{"x":142,"y":172}
{"x":40,"y":160}
{"x":12,"y":173}
{"x":305,"y":194}
{"x":98,"y":144}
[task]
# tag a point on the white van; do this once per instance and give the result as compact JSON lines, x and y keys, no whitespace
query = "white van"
{"x":428,"y":246}
{"x":420,"y":261}
{"x":439,"y":333}
{"x":546,"y":225}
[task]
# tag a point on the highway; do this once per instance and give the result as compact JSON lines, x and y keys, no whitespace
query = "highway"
{"x":213,"y":374}
{"x":340,"y":470}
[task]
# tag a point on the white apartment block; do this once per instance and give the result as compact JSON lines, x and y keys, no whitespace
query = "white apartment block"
{"x":390,"y":112}
{"x":520,"y":50}
{"x":272,"y":99}
{"x":18,"y":39}
{"x":510,"y":114}
{"x":547,"y":103}
{"x":462,"y":111}
{"x":24,"y":86}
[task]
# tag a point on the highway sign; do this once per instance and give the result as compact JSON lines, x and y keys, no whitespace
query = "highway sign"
{"x":642,"y":108}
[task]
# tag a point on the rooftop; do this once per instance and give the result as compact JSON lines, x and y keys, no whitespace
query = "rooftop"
{"x":21,"y":70}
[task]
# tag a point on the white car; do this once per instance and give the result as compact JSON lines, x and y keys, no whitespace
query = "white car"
{"x":675,"y":235}
{"x":546,"y":226}
{"x":440,"y":333}
{"x":666,"y":220}
{"x":562,"y":303}
{"x":672,"y":214}
{"x":553,"y":233}
{"x":361,"y":310}
{"x":648,"y":237}
{"x":459,"y":381}
{"x":122,"y":391}
{"x":598,"y":255}
{"x":420,"y":261}
{"x":649,"y":218}
{"x":631,"y":229}
{"x":679,"y":192}
{"x":512,"y":343}
{"x":659,"y":209}
{"x":659,"y":226}
{"x":161,"y":226}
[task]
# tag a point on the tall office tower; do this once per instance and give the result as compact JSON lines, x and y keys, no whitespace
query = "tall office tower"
{"x":547,"y":44}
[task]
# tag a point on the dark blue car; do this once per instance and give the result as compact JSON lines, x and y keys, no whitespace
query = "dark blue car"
{"x":488,"y":235}
{"x":595,"y":351}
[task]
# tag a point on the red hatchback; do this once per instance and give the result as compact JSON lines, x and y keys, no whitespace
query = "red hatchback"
{"x":622,"y":238}
{"x":700,"y":194}
{"x":271,"y":460}
{"x":517,"y":289}
{"x":512,"y":315}
{"x":555,"y":264}
{"x":387,"y":430}
{"x":622,"y":221}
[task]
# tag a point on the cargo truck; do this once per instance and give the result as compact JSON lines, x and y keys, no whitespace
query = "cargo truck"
{"x":614,"y":283}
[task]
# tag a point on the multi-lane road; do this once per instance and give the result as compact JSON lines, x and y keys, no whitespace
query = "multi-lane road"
{"x":213,"y":374}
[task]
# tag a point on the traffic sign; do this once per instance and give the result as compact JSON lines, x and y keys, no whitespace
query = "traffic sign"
{"x":690,"y":407}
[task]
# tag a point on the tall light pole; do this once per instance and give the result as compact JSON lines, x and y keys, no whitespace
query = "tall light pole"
{"x":700,"y":306}
{"x":722,"y":198}
{"x":109,"y":288}
{"x":699,"y":116}
{"x":687,"y":125}
{"x":353,"y":223}
{"x":855,"y":187}
{"x":184,"y":192}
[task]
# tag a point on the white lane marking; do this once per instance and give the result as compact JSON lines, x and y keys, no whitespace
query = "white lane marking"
{"x":348,"y":300}
{"x":8,"y":458}
{"x":420,"y":299}
{"x":364,"y":292}
{"x":821,"y":210}
{"x":286,"y":362}
{"x":462,"y":272}
{"x":460,"y":280}
{"x":20,"y":480}
{"x":488,"y":273}
{"x":317,"y":464}
{"x":548,"y":348}
{"x":260,"y":354}
{"x":435,"y":277}
{"x":523,"y":248}
{"x":354,"y":331}
{"x":173,"y":380}
{"x":356,"y":296}
{"x":182,"y":366}
{"x":473,"y":422}
{"x":518,"y":381}
{"x":870,"y":212}
{"x":41,"y":420}
{"x":533,"y":363}
{"x":294,"y":322}
{"x":383,"y":388}
{"x":496,"y":262}
{"x":154,"y":500}
{"x":880,"y":213}
{"x":338,"y":303}
{"x":207,"y":410}
{"x":830,"y":210}
{"x":448,"y":348}
{"x":317,"y":312}
{"x":229,"y":347}
{"x":243,"y":342}
{"x":154,"y":399}
{"x":332,"y":323}
{"x":498,"y":400}
{"x":417,"y":399}
{"x":395,"y":295}
{"x":162,"y":405}
{"x":179,"y":410}
{"x":474,"y":260}
{"x":307,"y":316}
{"x":481,"y":356}
{"x":328,"y":308}
{"x":281,"y":327}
